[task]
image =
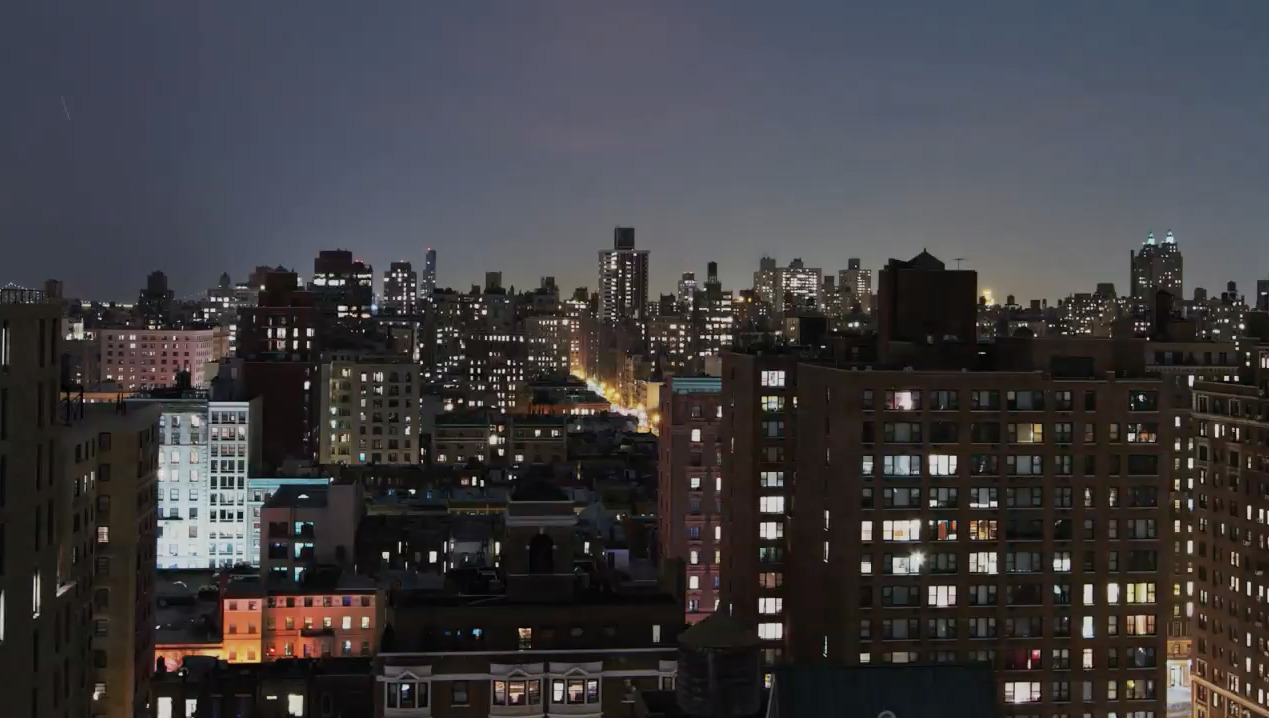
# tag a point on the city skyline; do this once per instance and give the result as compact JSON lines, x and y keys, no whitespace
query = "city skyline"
{"x":1028,"y":140}
{"x":1246,"y":290}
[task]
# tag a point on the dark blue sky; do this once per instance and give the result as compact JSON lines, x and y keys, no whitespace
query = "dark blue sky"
{"x":1039,"y":139}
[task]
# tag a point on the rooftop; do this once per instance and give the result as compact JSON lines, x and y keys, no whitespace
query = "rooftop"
{"x":906,"y":691}
{"x":298,"y":497}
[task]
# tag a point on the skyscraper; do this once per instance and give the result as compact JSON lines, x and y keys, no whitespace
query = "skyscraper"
{"x":855,"y":285}
{"x":688,"y":287}
{"x":1156,"y":267}
{"x":427,"y":283}
{"x":1005,"y":505}
{"x":154,"y":303}
{"x":797,"y":287}
{"x":623,"y":279}
{"x":400,"y":290}
{"x":343,"y":286}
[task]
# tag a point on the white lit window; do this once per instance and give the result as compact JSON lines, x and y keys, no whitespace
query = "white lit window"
{"x":771,"y":530}
{"x":905,"y":530}
{"x":770,"y":631}
{"x":770,"y":606}
{"x":773,"y":378}
{"x":1022,"y":691}
{"x":984,"y":562}
{"x":694,"y":582}
{"x":942,"y":464}
{"x":1112,"y":593}
{"x":771,"y":504}
{"x":696,"y":435}
{"x":942,"y":596}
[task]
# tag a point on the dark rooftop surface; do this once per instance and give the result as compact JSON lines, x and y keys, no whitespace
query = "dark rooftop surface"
{"x":906,"y":691}
{"x":719,"y":631}
{"x":298,"y":497}
{"x":533,"y":490}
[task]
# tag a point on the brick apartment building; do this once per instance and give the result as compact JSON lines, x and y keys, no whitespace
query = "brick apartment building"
{"x":689,"y":486}
{"x":917,"y":497}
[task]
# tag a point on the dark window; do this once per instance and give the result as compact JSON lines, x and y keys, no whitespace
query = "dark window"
{"x":542,"y":554}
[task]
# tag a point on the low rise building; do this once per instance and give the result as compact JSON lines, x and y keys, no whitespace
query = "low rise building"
{"x":309,"y":525}
{"x":552,"y":633}
{"x":145,"y":359}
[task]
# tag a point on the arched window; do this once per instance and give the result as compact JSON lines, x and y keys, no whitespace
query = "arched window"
{"x":542,"y":554}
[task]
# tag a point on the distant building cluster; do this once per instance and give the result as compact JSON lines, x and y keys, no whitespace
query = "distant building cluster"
{"x":831,"y":492}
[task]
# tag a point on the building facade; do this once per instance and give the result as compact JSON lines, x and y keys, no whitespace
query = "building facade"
{"x":689,"y":487}
{"x":1156,"y":267}
{"x":1004,"y":514}
{"x":400,"y":290}
{"x":32,"y":650}
{"x":146,"y":359}
{"x":120,"y":445}
{"x":207,"y":450}
{"x":623,"y":279}
{"x":1225,"y":543}
{"x":370,"y":408}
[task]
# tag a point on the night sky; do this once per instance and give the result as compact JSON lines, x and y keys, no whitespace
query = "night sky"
{"x":1039,"y":139}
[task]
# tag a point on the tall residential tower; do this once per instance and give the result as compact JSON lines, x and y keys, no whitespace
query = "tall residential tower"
{"x":623,"y":279}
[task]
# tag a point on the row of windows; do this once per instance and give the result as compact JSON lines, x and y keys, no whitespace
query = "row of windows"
{"x":935,"y":465}
{"x":944,"y":562}
{"x":988,"y":497}
{"x":990,"y":432}
{"x":1016,"y":528}
{"x":1141,"y":593}
{"x":990,"y":400}
{"x":1132,"y":689}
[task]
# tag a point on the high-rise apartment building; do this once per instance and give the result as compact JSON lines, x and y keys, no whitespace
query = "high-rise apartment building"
{"x":797,"y":287}
{"x":1156,"y":267}
{"x":1087,"y":315}
{"x":369,"y":407}
{"x":223,"y":305}
{"x":623,"y":279}
{"x":35,"y":623}
{"x":400,"y":290}
{"x":138,"y":359}
{"x":855,"y":286}
{"x":547,"y":340}
{"x":76,"y":530}
{"x":110,"y":454}
{"x":579,"y":311}
{"x":343,"y":286}
{"x":766,"y":280}
{"x":154,"y":302}
{"x":1225,"y":543}
{"x":687,"y":289}
{"x":427,"y":282}
{"x":922,"y":302}
{"x":1010,"y":515}
{"x":209,"y":444}
{"x":1007,"y":504}
{"x":690,"y":485}
{"x":280,"y":343}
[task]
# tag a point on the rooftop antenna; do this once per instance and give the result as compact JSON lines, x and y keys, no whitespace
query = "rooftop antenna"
{"x":958,"y":261}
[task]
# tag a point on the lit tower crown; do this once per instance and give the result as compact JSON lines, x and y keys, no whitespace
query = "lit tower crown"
{"x":1169,"y":239}
{"x":1150,"y":238}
